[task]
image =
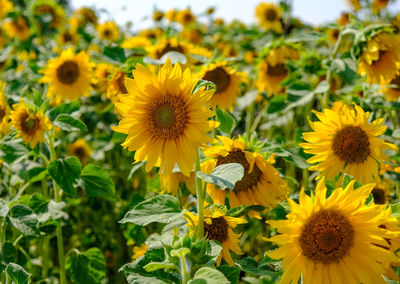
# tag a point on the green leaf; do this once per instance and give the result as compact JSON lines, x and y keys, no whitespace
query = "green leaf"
{"x":24,"y":219}
{"x":395,"y":209}
{"x":396,"y":133}
{"x":231,"y":273}
{"x":209,"y":275}
{"x":88,"y":267}
{"x":54,"y":212}
{"x":153,"y":266}
{"x":139,"y":279}
{"x":66,"y":108}
{"x":12,"y":150}
{"x":249,"y":265}
{"x":115,"y":52}
{"x":224,"y":176}
{"x":65,"y":172}
{"x":37,"y":174}
{"x":227,"y":122}
{"x":97,"y":183}
{"x":277,"y":103}
{"x":161,"y":209}
{"x":17,"y":273}
{"x":69,"y":123}
{"x":4,"y":209}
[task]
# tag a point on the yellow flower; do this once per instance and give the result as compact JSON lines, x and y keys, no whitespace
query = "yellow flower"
{"x":344,"y":141}
{"x":158,"y":16}
{"x":334,"y":240}
{"x":103,"y":72}
{"x":333,"y":35}
{"x":171,"y":15}
{"x":166,"y":45}
{"x":108,"y":31}
{"x":170,"y":183}
{"x":269,"y":16}
{"x":31,"y":126}
{"x":6,"y":7}
{"x":82,"y":17}
{"x":151,"y":33}
{"x":116,"y":85}
{"x":43,"y":8}
{"x":67,"y":37}
{"x":136,"y":42}
{"x":210,"y":10}
{"x":261,"y":183}
{"x":69,"y":76}
{"x":381,"y":192}
{"x":4,"y":111}
{"x":219,"y":227}
{"x":139,"y":251}
{"x":17,"y":27}
{"x":185,"y":17}
{"x":227,"y":81}
{"x":191,"y":35}
{"x":272,"y":69}
{"x":164,"y":120}
{"x":392,"y":93}
{"x":343,"y":19}
{"x":81,"y":150}
{"x":379,"y":58}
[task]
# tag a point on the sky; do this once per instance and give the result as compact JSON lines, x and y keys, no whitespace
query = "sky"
{"x":310,"y":11}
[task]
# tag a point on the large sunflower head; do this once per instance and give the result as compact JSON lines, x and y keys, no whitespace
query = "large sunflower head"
{"x":31,"y":126}
{"x":344,"y":141}
{"x":269,"y":16}
{"x":81,"y":149}
{"x":164,"y":117}
{"x":261,"y":183}
{"x":379,"y":58}
{"x":4,"y":111}
{"x":219,"y":227}
{"x":69,"y":76}
{"x":48,"y":12}
{"x":337,"y":239}
{"x":185,"y":17}
{"x":6,"y":7}
{"x":108,"y":31}
{"x":116,"y":85}
{"x":227,"y":80}
{"x":17,"y":28}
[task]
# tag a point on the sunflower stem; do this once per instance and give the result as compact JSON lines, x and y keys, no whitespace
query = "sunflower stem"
{"x":185,"y":273}
{"x":200,"y":199}
{"x":249,"y":120}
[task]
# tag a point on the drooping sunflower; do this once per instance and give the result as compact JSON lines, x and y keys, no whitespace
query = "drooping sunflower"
{"x":108,"y":31}
{"x":185,"y":17}
{"x":49,"y":12}
{"x":136,"y":42}
{"x":164,"y":120}
{"x":6,"y":7}
{"x":219,"y":227}
{"x":116,"y":85}
{"x":67,"y":37}
{"x":82,"y":17}
{"x":81,"y":149}
{"x":31,"y":126}
{"x":269,"y":16}
{"x":261,"y":183}
{"x":379,"y":58}
{"x":334,"y":240}
{"x":4,"y":111}
{"x":17,"y":28}
{"x":344,"y":141}
{"x":70,"y":76}
{"x":227,"y":81}
{"x":103,"y":72}
{"x":272,"y":69}
{"x":170,"y":183}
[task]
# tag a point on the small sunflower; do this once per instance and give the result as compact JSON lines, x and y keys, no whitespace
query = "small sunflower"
{"x":108,"y":31}
{"x":379,"y":58}
{"x":227,"y":81}
{"x":191,"y":35}
{"x":49,"y":12}
{"x":382,"y":191}
{"x":333,"y":35}
{"x":344,"y":141}
{"x":4,"y":111}
{"x":81,"y":150}
{"x":171,"y":15}
{"x":269,"y":16}
{"x":334,"y":240}
{"x":272,"y":69}
{"x":261,"y":183}
{"x":31,"y":126}
{"x":343,"y":19}
{"x":151,"y":33}
{"x":219,"y":227}
{"x":116,"y":85}
{"x":6,"y":7}
{"x":166,"y":45}
{"x":17,"y":28}
{"x":103,"y":72}
{"x":164,"y":120}
{"x":136,"y":42}
{"x":83,"y":17}
{"x":158,"y":16}
{"x":67,"y":37}
{"x":185,"y":17}
{"x":170,"y":183}
{"x":69,"y":76}
{"x":392,"y":93}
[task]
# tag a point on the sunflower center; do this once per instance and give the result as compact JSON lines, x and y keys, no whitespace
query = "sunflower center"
{"x":121,"y":84}
{"x":67,"y":37}
{"x":168,"y":117}
{"x":187,"y":17}
{"x":80,"y":152}
{"x":29,"y":124}
{"x":271,"y":15}
{"x":249,"y":179}
{"x":219,"y":77}
{"x":327,"y":236}
{"x":2,"y":113}
{"x":396,"y":81}
{"x":277,"y":70}
{"x":379,"y":195}
{"x":68,"y":72}
{"x":381,"y":54}
{"x":217,"y":230}
{"x":107,"y":33}
{"x":351,"y":145}
{"x":169,"y":48}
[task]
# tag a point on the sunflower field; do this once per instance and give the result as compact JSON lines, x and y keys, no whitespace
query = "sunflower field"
{"x":196,"y":150}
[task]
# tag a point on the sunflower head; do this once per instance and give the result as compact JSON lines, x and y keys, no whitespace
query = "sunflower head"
{"x":354,"y":4}
{"x":4,"y":111}
{"x":333,"y":35}
{"x":136,"y":42}
{"x":170,"y":183}
{"x":17,"y":28}
{"x":103,"y":73}
{"x":185,"y":17}
{"x":378,"y":5}
{"x":152,"y":33}
{"x":108,"y":31}
{"x":158,"y":15}
{"x":81,"y":150}
{"x":166,"y":45}
{"x":269,"y":16}
{"x":116,"y":84}
{"x":67,"y":37}
{"x":48,"y":13}
{"x":82,"y":17}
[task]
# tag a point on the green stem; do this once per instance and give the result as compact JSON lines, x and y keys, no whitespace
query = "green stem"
{"x":305,"y":178}
{"x":185,"y":274}
{"x":249,"y":120}
{"x":200,"y":200}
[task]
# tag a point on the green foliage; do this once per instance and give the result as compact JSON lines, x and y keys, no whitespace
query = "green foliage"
{"x":97,"y":183}
{"x":224,"y":176}
{"x":65,"y":172}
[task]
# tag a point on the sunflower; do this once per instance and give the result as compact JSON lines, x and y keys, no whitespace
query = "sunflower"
{"x":170,"y":183}
{"x":261,"y":183}
{"x":83,"y":17}
{"x":185,"y":17}
{"x":67,"y":37}
{"x":136,"y":42}
{"x":381,"y":192}
{"x":344,"y":141}
{"x":379,"y":58}
{"x":139,"y":251}
{"x":272,"y":69}
{"x":4,"y":111}
{"x":116,"y":85}
{"x":81,"y":150}
{"x":31,"y":126}
{"x":164,"y":120}
{"x":108,"y":31}
{"x":354,"y":4}
{"x":269,"y":16}
{"x":343,"y":19}
{"x":151,"y":33}
{"x":333,"y":35}
{"x":6,"y":7}
{"x":44,"y":8}
{"x":69,"y":76}
{"x":158,"y":16}
{"x":103,"y":72}
{"x":378,"y":5}
{"x":392,"y":93}
{"x":171,"y":15}
{"x":227,"y":81}
{"x":166,"y":45}
{"x":17,"y":27}
{"x":191,"y":35}
{"x":334,"y":240}
{"x":219,"y":227}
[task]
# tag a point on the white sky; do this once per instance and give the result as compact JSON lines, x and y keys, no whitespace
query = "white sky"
{"x":122,"y":11}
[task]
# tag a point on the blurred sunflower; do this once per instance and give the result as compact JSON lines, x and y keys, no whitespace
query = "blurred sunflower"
{"x":108,"y":31}
{"x":185,"y":17}
{"x":158,"y":15}
{"x":344,"y":141}
{"x":136,"y":42}
{"x":6,"y":7}
{"x":392,"y":93}
{"x":31,"y":126}
{"x":4,"y":111}
{"x":354,"y":4}
{"x":219,"y":227}
{"x":227,"y":81}
{"x":83,"y":17}
{"x":164,"y":120}
{"x":382,"y":191}
{"x":69,"y":76}
{"x":67,"y":37}
{"x":17,"y":28}
{"x":272,"y":69}
{"x":171,"y":15}
{"x":334,"y":240}
{"x":191,"y":35}
{"x":343,"y":19}
{"x":261,"y":183}
{"x":48,"y":12}
{"x":333,"y":35}
{"x":81,"y":150}
{"x":166,"y":45}
{"x":116,"y":85}
{"x":269,"y":16}
{"x":170,"y":183}
{"x":379,"y":58}
{"x":378,"y":5}
{"x":103,"y":72}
